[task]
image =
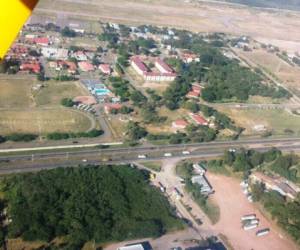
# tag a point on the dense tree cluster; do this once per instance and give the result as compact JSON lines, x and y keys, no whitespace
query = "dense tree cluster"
{"x":67,"y":102}
{"x":64,"y":136}
{"x":107,"y":203}
{"x":67,"y":32}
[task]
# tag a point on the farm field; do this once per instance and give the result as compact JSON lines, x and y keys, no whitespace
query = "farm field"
{"x":276,"y":120}
{"x":53,"y":92}
{"x":42,"y":121}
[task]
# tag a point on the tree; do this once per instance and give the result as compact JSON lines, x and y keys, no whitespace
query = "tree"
{"x":67,"y":102}
{"x":67,"y":32}
{"x":257,"y":191}
{"x":135,"y":131}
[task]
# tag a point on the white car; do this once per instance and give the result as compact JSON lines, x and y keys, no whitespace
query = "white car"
{"x":167,"y":154}
{"x":186,"y":152}
{"x":142,"y":156}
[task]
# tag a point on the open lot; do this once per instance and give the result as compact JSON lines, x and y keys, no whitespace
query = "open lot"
{"x":54,"y":92}
{"x":233,"y":204}
{"x":288,"y":74}
{"x":41,"y":121}
{"x":15,"y":93}
{"x":275,"y":120}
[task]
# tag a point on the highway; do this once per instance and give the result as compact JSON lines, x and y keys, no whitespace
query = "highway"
{"x":25,"y":162}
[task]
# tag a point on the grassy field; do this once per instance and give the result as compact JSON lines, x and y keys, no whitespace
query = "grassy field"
{"x":25,"y":111}
{"x":275,"y":120}
{"x":15,"y":93}
{"x":288,"y":74}
{"x":40,"y":121}
{"x":153,"y":165}
{"x":53,"y":92}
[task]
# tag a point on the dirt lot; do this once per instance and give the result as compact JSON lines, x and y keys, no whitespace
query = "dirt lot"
{"x":233,"y":204}
{"x":42,"y":121}
{"x":207,"y":17}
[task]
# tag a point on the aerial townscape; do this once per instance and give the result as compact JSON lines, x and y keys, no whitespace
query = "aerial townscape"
{"x":152,"y":125}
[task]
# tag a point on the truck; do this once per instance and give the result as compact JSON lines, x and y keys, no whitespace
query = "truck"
{"x":248,"y":217}
{"x":249,"y":226}
{"x":186,"y":152}
{"x":262,"y":232}
{"x":167,"y":154}
{"x":142,"y":156}
{"x":254,"y":221}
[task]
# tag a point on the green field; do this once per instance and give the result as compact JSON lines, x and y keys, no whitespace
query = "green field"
{"x":274,"y":120}
{"x":53,"y":92}
{"x":24,"y":110}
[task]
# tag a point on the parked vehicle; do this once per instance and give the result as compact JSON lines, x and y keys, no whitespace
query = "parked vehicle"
{"x":262,"y":232}
{"x":249,"y":226}
{"x":248,"y":217}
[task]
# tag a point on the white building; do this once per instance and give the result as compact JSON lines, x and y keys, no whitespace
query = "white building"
{"x":55,"y":53}
{"x":205,"y":187}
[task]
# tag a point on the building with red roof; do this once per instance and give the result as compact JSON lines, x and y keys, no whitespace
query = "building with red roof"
{"x":180,"y":124}
{"x":42,"y":41}
{"x":86,"y":66}
{"x":192,"y":94}
{"x":163,"y":67}
{"x":165,"y":74}
{"x":105,"y":69}
{"x":198,"y":119}
{"x":108,"y":107}
{"x":31,"y":67}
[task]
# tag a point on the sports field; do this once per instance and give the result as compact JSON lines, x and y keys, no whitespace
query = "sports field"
{"x":53,"y":92}
{"x":42,"y":121}
{"x":24,"y":110}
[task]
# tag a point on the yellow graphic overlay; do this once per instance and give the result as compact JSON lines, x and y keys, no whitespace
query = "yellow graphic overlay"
{"x":13,"y":14}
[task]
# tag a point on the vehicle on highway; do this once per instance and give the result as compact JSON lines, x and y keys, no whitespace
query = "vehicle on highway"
{"x":84,"y":160}
{"x":186,"y":152}
{"x":167,"y":154}
{"x":263,"y":232}
{"x":142,"y":156}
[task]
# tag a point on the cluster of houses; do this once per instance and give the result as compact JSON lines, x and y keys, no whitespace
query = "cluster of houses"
{"x":197,"y":119}
{"x":164,"y":74}
{"x":279,"y":184}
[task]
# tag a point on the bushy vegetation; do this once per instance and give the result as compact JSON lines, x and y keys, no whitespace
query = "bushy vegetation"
{"x":67,"y":102}
{"x":107,"y":203}
{"x":64,"y":136}
{"x":18,"y":137}
{"x":286,"y":213}
{"x":67,"y":32}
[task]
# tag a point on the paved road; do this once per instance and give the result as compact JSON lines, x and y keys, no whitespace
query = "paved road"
{"x":87,"y":157}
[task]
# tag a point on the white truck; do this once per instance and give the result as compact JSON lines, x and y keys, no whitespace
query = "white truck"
{"x":262,"y":232}
{"x":186,"y":152}
{"x":142,"y":156}
{"x":250,"y":226}
{"x":167,"y":154}
{"x":248,"y":217}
